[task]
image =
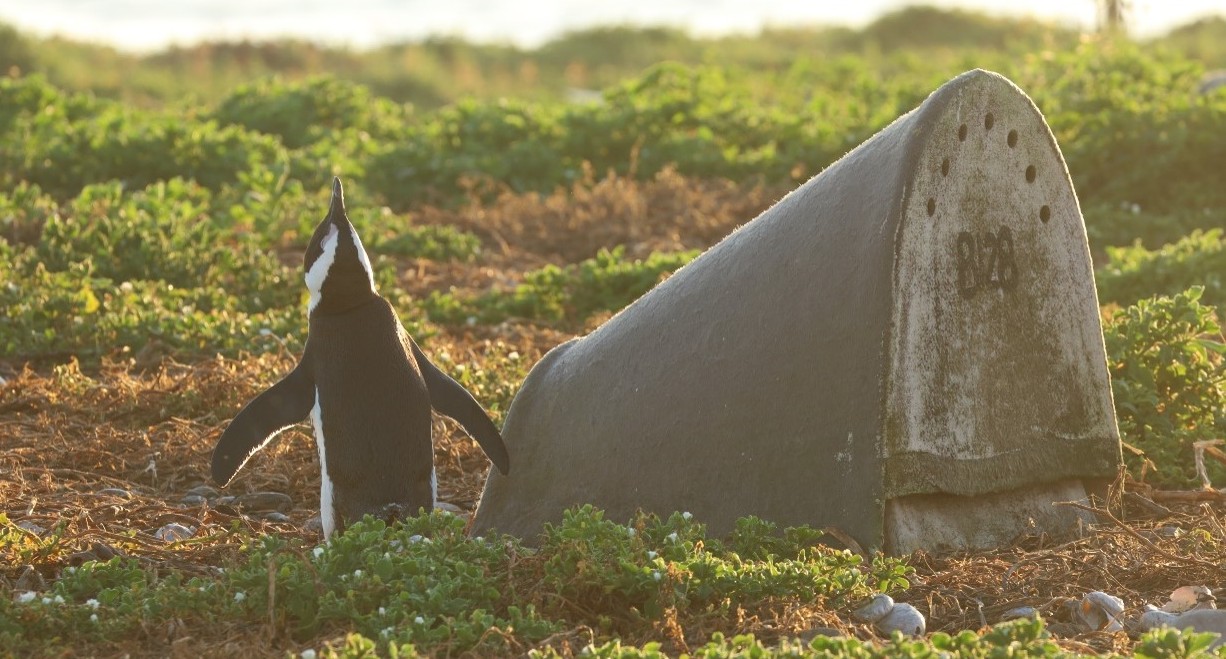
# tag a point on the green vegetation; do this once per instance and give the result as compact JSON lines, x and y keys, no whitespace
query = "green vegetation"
{"x":423,"y":585}
{"x":1108,"y":103}
{"x":424,"y":582}
{"x":1166,"y":359}
{"x":606,"y":282}
{"x":1134,"y":272}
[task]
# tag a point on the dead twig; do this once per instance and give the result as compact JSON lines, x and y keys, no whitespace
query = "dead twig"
{"x":1145,"y":541}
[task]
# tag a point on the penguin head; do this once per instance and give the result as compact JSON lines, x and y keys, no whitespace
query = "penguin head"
{"x":338,"y":272}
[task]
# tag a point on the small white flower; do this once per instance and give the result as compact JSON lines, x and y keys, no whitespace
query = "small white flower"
{"x":1136,"y":209}
{"x":307,"y":654}
{"x":687,"y":516}
{"x":70,"y":569}
{"x":47,"y":600}
{"x":264,"y":331}
{"x":656,"y":575}
{"x":382,"y":611}
{"x":357,"y":574}
{"x":652,"y":555}
{"x":318,"y":551}
{"x":415,"y":538}
{"x":92,"y":603}
{"x":470,"y":321}
{"x":671,"y":537}
{"x":630,"y":532}
{"x":387,"y":631}
{"x":240,"y":596}
{"x":26,"y":597}
{"x":419,"y":620}
{"x":59,"y":599}
{"x":126,"y":287}
{"x":93,"y":617}
{"x":513,"y":355}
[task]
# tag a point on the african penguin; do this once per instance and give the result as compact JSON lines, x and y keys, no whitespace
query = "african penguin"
{"x":367,"y":388}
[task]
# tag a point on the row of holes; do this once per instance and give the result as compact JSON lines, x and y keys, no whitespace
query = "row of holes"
{"x":1011,"y":139}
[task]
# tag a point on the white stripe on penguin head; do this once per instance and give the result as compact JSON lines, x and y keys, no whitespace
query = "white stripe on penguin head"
{"x":357,"y":242}
{"x":319,"y":269}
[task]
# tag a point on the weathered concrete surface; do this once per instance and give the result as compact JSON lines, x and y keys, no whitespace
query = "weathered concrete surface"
{"x":943,"y":522}
{"x":919,"y":320}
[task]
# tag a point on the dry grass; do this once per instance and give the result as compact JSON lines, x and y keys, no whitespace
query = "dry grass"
{"x":669,"y":212}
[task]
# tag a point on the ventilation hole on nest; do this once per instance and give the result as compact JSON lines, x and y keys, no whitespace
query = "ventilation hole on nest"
{"x":1030,"y":174}
{"x":988,"y":120}
{"x":1012,"y":138}
{"x":932,"y":206}
{"x":962,"y":133}
{"x":1044,"y":212}
{"x":945,"y":167}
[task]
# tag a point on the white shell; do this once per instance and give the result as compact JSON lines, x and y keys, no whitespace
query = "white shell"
{"x":1100,"y":612}
{"x":174,"y":532}
{"x":1155,"y":618}
{"x":1186,"y":598}
{"x":1019,"y":612}
{"x":902,"y":618}
{"x":876,"y":609}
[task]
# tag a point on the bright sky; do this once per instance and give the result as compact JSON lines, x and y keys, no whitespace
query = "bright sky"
{"x":151,"y":24}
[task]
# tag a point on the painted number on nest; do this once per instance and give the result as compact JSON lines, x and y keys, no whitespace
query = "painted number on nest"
{"x":985,"y":260}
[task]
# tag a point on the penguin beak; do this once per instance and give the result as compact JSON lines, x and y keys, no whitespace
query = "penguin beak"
{"x":336,"y":211}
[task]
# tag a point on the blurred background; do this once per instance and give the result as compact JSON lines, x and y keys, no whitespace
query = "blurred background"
{"x":148,"y":51}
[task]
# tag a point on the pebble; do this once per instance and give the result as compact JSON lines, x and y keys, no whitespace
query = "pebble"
{"x":902,"y":618}
{"x":448,"y":507}
{"x":205,"y":491}
{"x":888,"y":617}
{"x":315,"y":524}
{"x":262,"y":501}
{"x":115,"y":492}
{"x":876,"y":609}
{"x":1019,"y":612}
{"x":31,"y":527}
{"x":280,"y":518}
{"x":30,"y":581}
{"x":96,"y":552}
{"x":174,"y":532}
{"x":105,"y":552}
{"x":193,"y":500}
{"x":1202,"y":620}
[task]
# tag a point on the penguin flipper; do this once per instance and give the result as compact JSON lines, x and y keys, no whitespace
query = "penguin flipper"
{"x":281,"y":406}
{"x":450,"y":398}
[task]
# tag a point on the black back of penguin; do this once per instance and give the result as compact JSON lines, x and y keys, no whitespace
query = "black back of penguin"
{"x":373,"y":413}
{"x":367,"y":388}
